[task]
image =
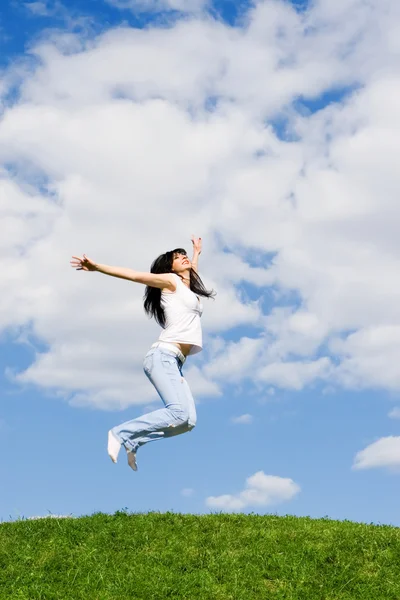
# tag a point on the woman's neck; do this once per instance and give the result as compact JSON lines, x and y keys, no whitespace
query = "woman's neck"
{"x":185,"y":280}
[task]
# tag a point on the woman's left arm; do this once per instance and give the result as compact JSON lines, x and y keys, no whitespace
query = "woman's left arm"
{"x":196,"y":252}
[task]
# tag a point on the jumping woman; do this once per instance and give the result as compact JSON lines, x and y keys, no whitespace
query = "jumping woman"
{"x":172,"y":295}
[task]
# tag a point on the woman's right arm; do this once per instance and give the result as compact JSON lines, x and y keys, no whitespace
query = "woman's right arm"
{"x":158,"y":280}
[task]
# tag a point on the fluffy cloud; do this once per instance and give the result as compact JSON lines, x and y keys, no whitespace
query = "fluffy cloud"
{"x":184,"y":6}
{"x":368,"y":357}
{"x":56,"y":9}
{"x":123,"y":145}
{"x":395,"y":413}
{"x":38,"y":8}
{"x":260,"y":490}
{"x":234,"y":360}
{"x":245,"y":419}
{"x":294,"y":375}
{"x":383,"y":453}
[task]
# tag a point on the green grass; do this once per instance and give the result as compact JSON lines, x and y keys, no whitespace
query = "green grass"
{"x":209,"y":557}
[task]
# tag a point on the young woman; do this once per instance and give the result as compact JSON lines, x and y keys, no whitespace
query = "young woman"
{"x":172,"y":295}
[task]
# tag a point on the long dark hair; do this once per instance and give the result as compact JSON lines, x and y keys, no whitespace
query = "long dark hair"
{"x":152,"y":295}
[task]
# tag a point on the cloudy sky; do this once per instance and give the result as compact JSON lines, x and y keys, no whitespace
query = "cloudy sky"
{"x":271,"y":129}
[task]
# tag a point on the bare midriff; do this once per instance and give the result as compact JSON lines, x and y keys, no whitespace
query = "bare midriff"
{"x":184,"y":348}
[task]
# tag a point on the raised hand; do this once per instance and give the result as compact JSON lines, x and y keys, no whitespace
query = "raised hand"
{"x":196,"y":244}
{"x":83,"y":264}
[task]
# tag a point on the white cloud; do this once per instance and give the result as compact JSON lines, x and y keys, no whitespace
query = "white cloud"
{"x":260,"y":490}
{"x":295,"y":375}
{"x":234,"y":361}
{"x":187,"y":492}
{"x":200,"y":384}
{"x":368,"y":357}
{"x":38,"y":8}
{"x":110,"y":142}
{"x":395,"y":413}
{"x":185,"y":6}
{"x":383,"y":453}
{"x":245,"y":419}
{"x":52,"y":8}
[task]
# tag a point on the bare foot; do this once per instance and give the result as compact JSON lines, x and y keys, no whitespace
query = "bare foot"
{"x":132,"y":460}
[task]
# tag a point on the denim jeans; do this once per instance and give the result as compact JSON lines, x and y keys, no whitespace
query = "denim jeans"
{"x":164,"y":369}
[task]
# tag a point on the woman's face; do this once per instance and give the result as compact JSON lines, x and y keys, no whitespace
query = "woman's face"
{"x":180,"y":263}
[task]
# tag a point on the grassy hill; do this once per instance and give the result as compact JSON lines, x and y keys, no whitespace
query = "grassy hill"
{"x":209,"y":557}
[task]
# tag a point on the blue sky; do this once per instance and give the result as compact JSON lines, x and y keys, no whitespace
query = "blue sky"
{"x":290,"y":277}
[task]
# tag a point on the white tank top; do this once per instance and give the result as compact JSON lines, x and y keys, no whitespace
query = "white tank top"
{"x":183,"y":310}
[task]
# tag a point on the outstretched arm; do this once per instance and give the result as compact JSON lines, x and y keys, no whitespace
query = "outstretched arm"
{"x":196,"y":252}
{"x":158,"y":280}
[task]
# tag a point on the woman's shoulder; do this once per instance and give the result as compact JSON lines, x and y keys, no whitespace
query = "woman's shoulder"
{"x":175,"y":279}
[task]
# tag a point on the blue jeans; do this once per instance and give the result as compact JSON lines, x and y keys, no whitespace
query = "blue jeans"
{"x":164,"y":369}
